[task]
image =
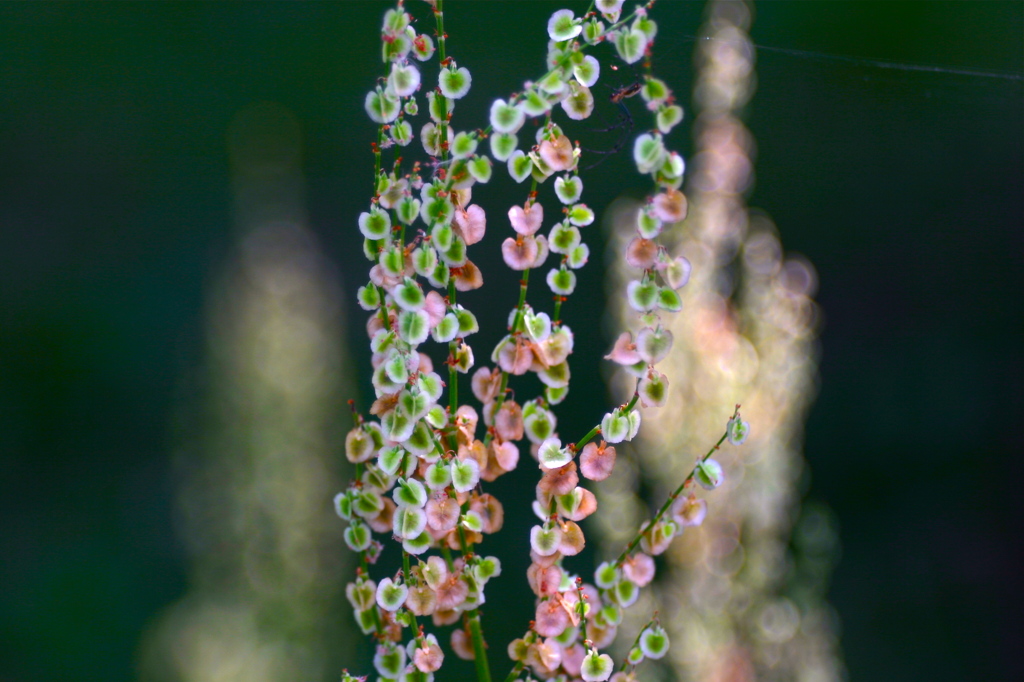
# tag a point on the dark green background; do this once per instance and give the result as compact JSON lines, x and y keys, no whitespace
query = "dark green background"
{"x":904,"y":188}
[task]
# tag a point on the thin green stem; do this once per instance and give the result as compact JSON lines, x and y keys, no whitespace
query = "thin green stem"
{"x":376,"y":157}
{"x":523,"y":284}
{"x":483,"y":670}
{"x":383,"y":308}
{"x":442,"y":101}
{"x":453,"y":375}
{"x":447,"y":554}
{"x":582,"y":606}
{"x":671,"y":498}
{"x":636,"y":641}
{"x":597,"y":429}
{"x":407,"y":574}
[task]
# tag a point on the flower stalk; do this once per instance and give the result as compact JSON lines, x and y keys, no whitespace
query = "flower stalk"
{"x":422,"y":470}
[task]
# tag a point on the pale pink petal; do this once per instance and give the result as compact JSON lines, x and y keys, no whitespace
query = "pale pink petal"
{"x":639,"y":568}
{"x":542,"y":251}
{"x":689,"y":511}
{"x":486,"y":383}
{"x":470,"y":223}
{"x":572,"y":539}
{"x":560,"y":481}
{"x":428,"y":657}
{"x":551,"y":618}
{"x":670,"y":206}
{"x":508,"y":422}
{"x":597,"y":461}
{"x":642,"y":253}
{"x":507,"y":454}
{"x":624,"y":351}
{"x":467,"y":277}
{"x":557,"y":153}
{"x":572,"y":659}
{"x":422,"y":600}
{"x":442,"y":513}
{"x":544,"y":580}
{"x":526,"y":220}
{"x":515,"y":357}
{"x":451,"y":593}
{"x":519,"y":254}
{"x":383,"y":522}
{"x":426,"y":364}
{"x":588,"y":505}
{"x":462,"y":644}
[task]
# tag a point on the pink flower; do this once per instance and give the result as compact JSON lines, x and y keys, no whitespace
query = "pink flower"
{"x":508,"y":422}
{"x":515,"y":357}
{"x":597,"y":461}
{"x":470,"y":223}
{"x":624,"y":351}
{"x":670,"y":206}
{"x":486,"y":383}
{"x":551,"y":618}
{"x":520,"y":253}
{"x":642,"y":253}
{"x":572,"y":658}
{"x":639,"y":569}
{"x":544,"y":580}
{"x":587,"y":506}
{"x":451,"y":593}
{"x":422,"y":600}
{"x":526,"y":220}
{"x":384,"y":522}
{"x":544,"y":656}
{"x":467,"y":277}
{"x":689,"y":511}
{"x":559,"y":481}
{"x":557,"y":153}
{"x":462,"y":644}
{"x":442,"y":513}
{"x":573,"y":540}
{"x":506,"y":454}
{"x":428,"y":657}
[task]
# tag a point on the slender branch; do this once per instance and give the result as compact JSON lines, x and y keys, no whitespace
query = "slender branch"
{"x":597,"y":429}
{"x":671,"y":498}
{"x":376,"y":157}
{"x":483,"y":670}
{"x":453,"y":375}
{"x":406,"y":574}
{"x":636,"y":641}
{"x":582,"y":609}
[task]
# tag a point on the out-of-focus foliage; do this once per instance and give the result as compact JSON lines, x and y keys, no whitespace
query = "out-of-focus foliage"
{"x":258,"y":458}
{"x":740,"y":603}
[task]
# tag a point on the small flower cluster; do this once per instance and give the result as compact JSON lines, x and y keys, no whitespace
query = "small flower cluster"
{"x":420,"y":464}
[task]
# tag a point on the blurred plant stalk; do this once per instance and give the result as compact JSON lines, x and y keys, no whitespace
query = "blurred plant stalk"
{"x":739,"y":601}
{"x":259,"y":444}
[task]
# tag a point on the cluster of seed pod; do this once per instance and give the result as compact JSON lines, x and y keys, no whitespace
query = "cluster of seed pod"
{"x":420,"y":463}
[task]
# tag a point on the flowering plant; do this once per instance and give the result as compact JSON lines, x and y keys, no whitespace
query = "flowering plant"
{"x":420,"y":463}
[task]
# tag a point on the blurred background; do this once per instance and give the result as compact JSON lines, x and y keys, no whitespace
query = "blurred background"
{"x":178,"y":193}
